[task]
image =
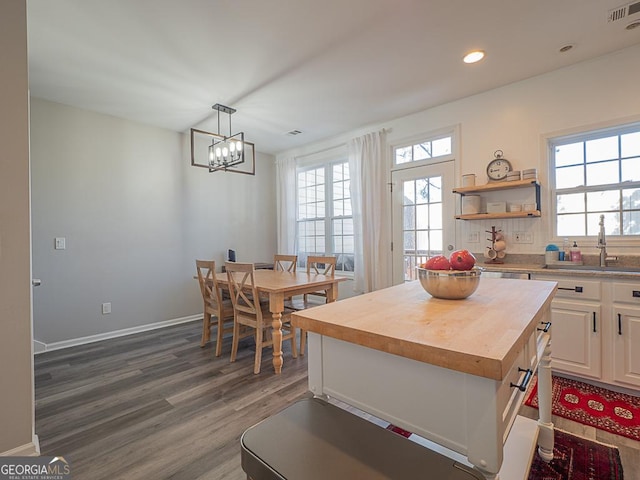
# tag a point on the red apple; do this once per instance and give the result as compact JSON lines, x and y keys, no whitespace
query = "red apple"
{"x":462,"y":260}
{"x":439,"y":262}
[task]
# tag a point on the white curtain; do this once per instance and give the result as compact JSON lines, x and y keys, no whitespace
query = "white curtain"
{"x":370,"y":202}
{"x":286,"y":205}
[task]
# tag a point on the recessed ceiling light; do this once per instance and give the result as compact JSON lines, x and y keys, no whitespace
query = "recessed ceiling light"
{"x":566,"y":48}
{"x":474,"y":56}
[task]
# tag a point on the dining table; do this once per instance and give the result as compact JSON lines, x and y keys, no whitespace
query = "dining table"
{"x":278,"y":285}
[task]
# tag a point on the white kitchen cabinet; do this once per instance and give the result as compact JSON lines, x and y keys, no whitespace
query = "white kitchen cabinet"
{"x":626,"y":332}
{"x":576,"y":316}
{"x":577,"y":343}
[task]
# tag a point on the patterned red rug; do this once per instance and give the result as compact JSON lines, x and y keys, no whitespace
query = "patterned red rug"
{"x":594,"y":406}
{"x":576,"y":458}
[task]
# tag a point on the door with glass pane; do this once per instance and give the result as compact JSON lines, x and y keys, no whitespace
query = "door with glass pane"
{"x":423,"y":217}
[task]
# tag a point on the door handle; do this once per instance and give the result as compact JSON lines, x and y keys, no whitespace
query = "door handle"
{"x":36,"y":282}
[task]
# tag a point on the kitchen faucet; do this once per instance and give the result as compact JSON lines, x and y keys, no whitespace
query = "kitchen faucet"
{"x":602,"y":245}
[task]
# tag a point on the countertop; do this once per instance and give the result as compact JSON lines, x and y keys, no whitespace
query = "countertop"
{"x":566,"y":270}
{"x":474,"y":335}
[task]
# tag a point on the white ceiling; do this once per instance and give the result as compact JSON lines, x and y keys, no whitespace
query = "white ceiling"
{"x":320,"y":66}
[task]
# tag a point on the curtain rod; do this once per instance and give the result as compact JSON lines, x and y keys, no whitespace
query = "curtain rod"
{"x":339,"y":145}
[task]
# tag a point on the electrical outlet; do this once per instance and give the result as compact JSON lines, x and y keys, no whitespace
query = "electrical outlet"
{"x":106,"y":308}
{"x":522,"y":237}
{"x":474,"y":237}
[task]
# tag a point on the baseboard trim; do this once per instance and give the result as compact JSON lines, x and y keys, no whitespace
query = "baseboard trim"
{"x":26,"y":450}
{"x":74,"y":342}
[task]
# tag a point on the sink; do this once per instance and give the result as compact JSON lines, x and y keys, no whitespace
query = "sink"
{"x":593,"y":268}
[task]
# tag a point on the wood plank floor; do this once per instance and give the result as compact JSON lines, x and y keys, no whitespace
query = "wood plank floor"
{"x":156,"y":405}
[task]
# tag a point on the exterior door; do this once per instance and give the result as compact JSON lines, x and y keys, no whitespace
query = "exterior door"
{"x":423,"y":209}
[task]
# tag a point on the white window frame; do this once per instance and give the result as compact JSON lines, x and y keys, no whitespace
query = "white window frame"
{"x":452,"y":131}
{"x":328,"y":201}
{"x":584,"y":134}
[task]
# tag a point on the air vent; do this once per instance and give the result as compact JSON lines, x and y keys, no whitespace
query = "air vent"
{"x":293,"y":133}
{"x":623,"y":12}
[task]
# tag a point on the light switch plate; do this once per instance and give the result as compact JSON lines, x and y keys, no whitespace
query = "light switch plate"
{"x":60,"y":243}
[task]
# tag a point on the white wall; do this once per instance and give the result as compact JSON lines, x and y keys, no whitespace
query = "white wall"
{"x":135,"y":216}
{"x":16,"y":367}
{"x":515,"y":118}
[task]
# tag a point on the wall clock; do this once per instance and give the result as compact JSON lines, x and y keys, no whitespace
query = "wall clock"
{"x":498,"y":168}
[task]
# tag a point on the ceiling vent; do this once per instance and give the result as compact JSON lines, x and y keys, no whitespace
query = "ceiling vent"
{"x":623,"y":12}
{"x":293,"y":133}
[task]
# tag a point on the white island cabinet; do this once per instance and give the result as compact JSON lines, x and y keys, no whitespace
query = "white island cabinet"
{"x":452,"y":371}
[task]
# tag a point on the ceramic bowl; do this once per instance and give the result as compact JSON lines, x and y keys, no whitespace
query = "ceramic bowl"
{"x":449,"y":284}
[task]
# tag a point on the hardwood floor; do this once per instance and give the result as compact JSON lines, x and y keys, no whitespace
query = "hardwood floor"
{"x":156,"y":405}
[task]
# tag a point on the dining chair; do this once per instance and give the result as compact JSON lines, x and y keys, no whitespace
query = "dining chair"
{"x":320,"y":265}
{"x":214,"y":304}
{"x":251,"y":317}
{"x":285,"y":263}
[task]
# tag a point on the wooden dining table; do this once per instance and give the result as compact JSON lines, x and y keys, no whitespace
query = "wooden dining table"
{"x":278,"y":285}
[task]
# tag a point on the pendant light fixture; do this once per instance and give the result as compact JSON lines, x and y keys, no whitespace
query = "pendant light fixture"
{"x":224,"y":152}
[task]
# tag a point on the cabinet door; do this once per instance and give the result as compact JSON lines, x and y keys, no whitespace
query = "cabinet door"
{"x":576,"y":338}
{"x":626,"y":344}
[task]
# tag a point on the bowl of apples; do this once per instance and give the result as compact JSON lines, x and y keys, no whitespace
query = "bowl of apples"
{"x":452,"y":278}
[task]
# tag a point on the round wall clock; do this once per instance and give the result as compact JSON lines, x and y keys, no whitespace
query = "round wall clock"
{"x":498,"y":168}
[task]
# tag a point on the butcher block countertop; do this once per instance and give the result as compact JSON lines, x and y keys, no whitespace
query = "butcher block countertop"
{"x":480,"y":335}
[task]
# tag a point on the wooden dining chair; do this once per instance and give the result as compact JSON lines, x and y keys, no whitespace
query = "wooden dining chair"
{"x":324,"y":265}
{"x":285,"y":263}
{"x":252,"y":318}
{"x":214,"y":304}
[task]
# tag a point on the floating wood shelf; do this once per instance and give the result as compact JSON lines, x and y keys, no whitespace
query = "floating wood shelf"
{"x":495,"y":186}
{"x":489,"y":187}
{"x":491,"y":216}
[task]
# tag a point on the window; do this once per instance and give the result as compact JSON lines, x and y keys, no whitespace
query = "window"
{"x":423,"y":151}
{"x":324,"y":218}
{"x":597,"y":173}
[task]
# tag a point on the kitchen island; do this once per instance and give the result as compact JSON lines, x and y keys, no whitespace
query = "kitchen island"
{"x":451,"y":371}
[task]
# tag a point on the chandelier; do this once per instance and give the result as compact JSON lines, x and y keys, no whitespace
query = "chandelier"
{"x":223,"y":152}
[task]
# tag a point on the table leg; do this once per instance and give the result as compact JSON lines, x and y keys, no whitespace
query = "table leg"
{"x":276,"y":306}
{"x":545,"y":425}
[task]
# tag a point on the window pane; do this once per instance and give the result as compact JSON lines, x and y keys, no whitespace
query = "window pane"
{"x":570,"y":203}
{"x":409,"y":193}
{"x":631,"y":223}
{"x":338,"y":208}
{"x":337,"y":227}
{"x":348,"y":244}
{"x":611,"y":223}
{"x":569,"y":177}
{"x":422,"y":242}
{"x":602,"y":173}
{"x":403,"y":155}
{"x":422,"y":151}
{"x":631,"y":170}
{"x":435,"y":216}
{"x":603,"y":201}
{"x":435,"y":189}
{"x":347,"y":226}
{"x":422,"y":216}
{"x":602,"y":149}
{"x":570,"y":154}
{"x":409,"y":242}
{"x":409,"y":218}
{"x":422,"y":190}
{"x":571,"y":225}
{"x":630,"y":145}
{"x":631,"y":198}
{"x":435,"y":237}
{"x":441,"y":147}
